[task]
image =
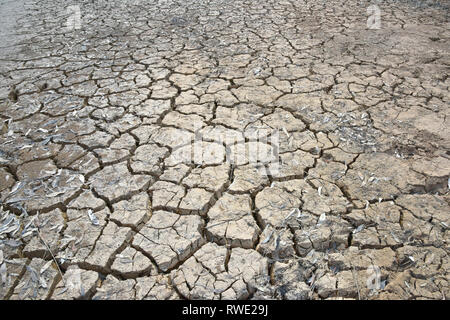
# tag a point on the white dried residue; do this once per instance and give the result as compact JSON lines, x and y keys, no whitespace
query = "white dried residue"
{"x":406,"y":284}
{"x":42,"y":282}
{"x":66,"y":240}
{"x":54,"y":194}
{"x":124,"y":259}
{"x":299,"y":214}
{"x":3,"y":273}
{"x":322,"y":218}
{"x":46,"y":266}
{"x":29,"y":229}
{"x":374,"y":179}
{"x":395,"y":237}
{"x":93,"y":218}
{"x":311,"y":280}
{"x":70,"y":179}
{"x":13,"y":243}
{"x":361,"y":176}
{"x":267,"y":238}
{"x":277,"y":243}
{"x":358,"y":229}
{"x":256,"y":71}
{"x":290,"y":214}
{"x":16,"y":187}
{"x":36,"y":280}
{"x":9,"y":224}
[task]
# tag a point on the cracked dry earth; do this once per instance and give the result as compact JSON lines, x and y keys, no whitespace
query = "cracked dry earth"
{"x":93,"y":117}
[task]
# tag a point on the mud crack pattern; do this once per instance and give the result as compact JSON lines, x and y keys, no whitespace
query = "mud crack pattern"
{"x":96,"y":203}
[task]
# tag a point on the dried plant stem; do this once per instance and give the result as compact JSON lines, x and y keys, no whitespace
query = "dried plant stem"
{"x":356,"y":282}
{"x":48,"y":248}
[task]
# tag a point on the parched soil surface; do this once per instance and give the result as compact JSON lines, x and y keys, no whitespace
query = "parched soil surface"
{"x":96,"y":202}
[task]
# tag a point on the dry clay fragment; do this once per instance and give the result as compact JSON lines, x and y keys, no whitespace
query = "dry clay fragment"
{"x":113,"y":237}
{"x":115,"y":182}
{"x":76,"y":284}
{"x":132,"y":212}
{"x":34,"y":285}
{"x":170,"y":238}
{"x":231,"y":221}
{"x":204,"y":275}
{"x":130,"y":263}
